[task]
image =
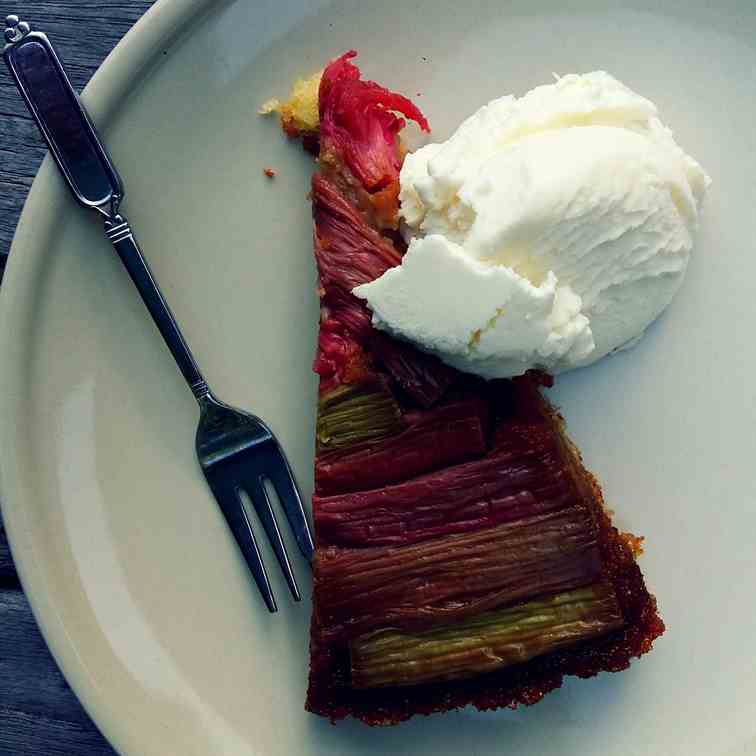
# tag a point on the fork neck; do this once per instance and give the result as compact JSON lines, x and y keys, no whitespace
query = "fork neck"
{"x":201,"y":392}
{"x":207,"y":401}
{"x":118,"y":230}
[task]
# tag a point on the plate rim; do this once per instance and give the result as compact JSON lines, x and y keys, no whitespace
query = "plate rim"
{"x":47,"y":199}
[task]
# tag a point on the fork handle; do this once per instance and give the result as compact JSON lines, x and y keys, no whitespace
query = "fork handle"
{"x":88,"y":171}
{"x":121,"y":236}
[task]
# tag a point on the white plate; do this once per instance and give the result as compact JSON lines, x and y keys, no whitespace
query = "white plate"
{"x":126,"y":560}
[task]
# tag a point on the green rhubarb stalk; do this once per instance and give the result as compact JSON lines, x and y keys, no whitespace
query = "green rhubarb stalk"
{"x":447,"y":579}
{"x":484,"y":643}
{"x":355,"y":413}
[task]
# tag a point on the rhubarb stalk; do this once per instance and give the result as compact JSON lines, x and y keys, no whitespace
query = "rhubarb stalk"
{"x":454,"y":577}
{"x":355,"y":413}
{"x":484,"y":643}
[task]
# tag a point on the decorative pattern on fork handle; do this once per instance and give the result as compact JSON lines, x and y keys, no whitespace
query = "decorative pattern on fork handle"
{"x":117,"y":228}
{"x":15,"y":29}
{"x":200,"y":390}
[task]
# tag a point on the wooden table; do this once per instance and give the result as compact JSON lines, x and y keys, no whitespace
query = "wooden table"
{"x":39,"y":713}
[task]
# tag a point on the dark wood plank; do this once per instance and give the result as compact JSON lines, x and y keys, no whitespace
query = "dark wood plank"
{"x":7,"y":571}
{"x":24,"y":734}
{"x":41,"y":690}
{"x":39,"y":714}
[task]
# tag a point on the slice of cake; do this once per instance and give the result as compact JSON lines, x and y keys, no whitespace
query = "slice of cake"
{"x":463,"y":552}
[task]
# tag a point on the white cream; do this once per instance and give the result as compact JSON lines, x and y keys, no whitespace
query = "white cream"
{"x":545,"y":233}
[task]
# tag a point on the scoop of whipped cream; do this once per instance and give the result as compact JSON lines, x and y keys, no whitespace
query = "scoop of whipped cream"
{"x":545,"y":233}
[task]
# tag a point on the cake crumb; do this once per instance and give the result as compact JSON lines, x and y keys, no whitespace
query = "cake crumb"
{"x":269,"y":106}
{"x":299,"y":114}
{"x":269,"y":172}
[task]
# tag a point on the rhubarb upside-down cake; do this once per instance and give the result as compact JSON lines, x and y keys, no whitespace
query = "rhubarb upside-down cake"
{"x":463,"y":552}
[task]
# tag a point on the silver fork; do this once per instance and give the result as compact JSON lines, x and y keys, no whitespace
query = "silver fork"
{"x":236,"y":450}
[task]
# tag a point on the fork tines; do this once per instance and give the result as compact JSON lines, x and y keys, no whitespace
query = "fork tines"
{"x":239,"y":455}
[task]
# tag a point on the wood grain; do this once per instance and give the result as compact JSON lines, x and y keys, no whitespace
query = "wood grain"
{"x":39,"y":714}
{"x":41,"y":690}
{"x":7,"y":573}
{"x":24,"y":734}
